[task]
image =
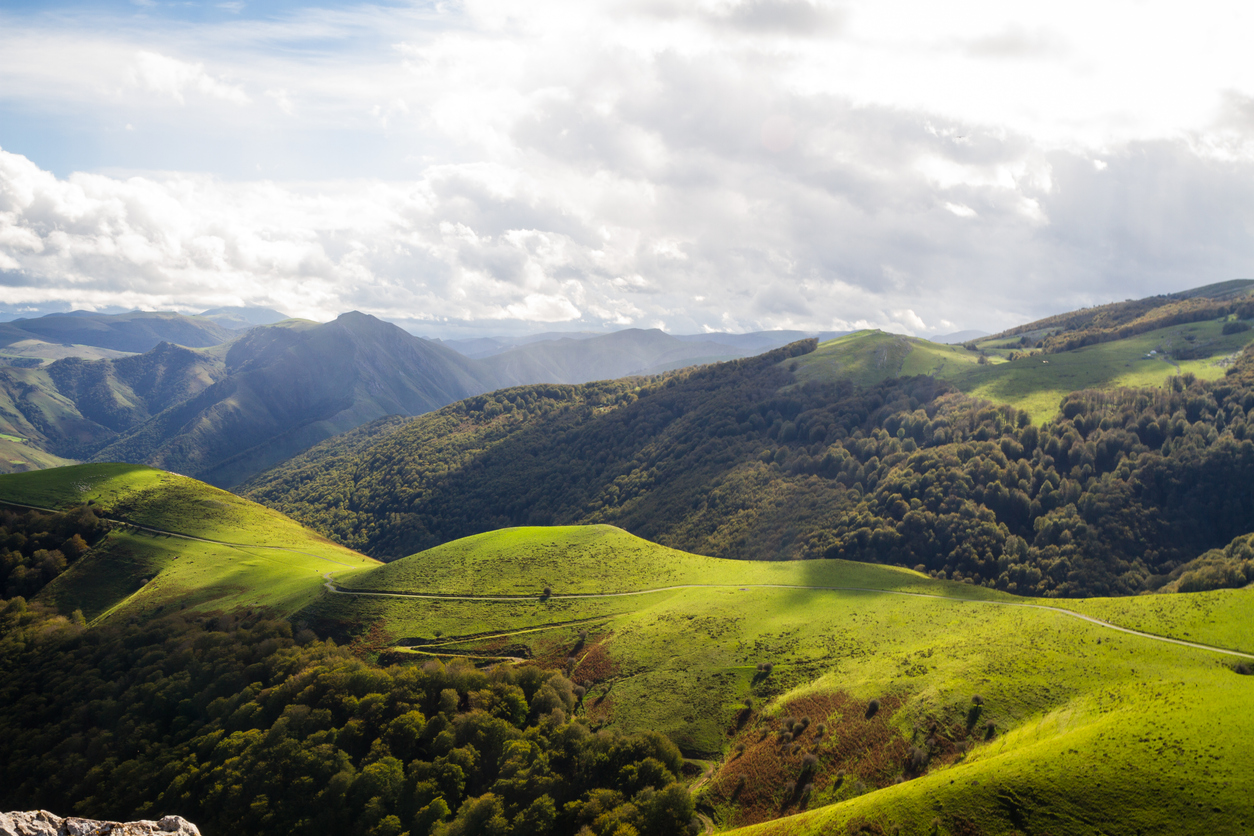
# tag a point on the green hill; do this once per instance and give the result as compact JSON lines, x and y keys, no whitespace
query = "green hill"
{"x":829,"y":451}
{"x":178,"y":543}
{"x":999,"y":371}
{"x":892,"y":699}
{"x":1072,"y":714}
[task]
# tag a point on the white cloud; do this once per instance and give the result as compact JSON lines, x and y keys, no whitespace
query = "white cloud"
{"x":712,"y":164}
{"x":172,"y":77}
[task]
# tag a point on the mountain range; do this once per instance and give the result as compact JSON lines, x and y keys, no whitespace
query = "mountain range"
{"x":223,"y":404}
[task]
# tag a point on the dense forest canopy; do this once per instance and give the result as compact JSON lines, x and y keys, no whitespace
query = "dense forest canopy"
{"x":1116,"y":495}
{"x":244,"y":725}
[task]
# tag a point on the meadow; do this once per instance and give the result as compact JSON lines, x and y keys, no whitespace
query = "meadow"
{"x":232,"y":553}
{"x":1071,"y":715}
{"x":816,"y":696}
{"x":1035,"y":383}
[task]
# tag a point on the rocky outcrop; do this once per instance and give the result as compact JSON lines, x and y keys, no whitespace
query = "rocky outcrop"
{"x":43,"y":823}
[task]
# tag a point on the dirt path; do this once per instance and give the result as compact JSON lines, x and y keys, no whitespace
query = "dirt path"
{"x":745,"y":587}
{"x":151,"y":530}
{"x":330,"y":585}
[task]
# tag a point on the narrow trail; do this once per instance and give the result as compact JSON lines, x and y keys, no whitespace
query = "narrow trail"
{"x":330,"y":585}
{"x":745,"y":587}
{"x":151,"y":530}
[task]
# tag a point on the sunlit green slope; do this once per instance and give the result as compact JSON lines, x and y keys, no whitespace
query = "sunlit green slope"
{"x":1035,"y":383}
{"x":1084,"y":718}
{"x":179,"y":543}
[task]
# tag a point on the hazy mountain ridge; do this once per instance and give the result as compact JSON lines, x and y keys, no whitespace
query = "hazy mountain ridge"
{"x":134,"y":332}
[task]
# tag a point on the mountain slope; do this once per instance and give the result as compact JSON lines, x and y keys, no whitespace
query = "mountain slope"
{"x":230,"y":552}
{"x":133,"y":332}
{"x":292,"y":385}
{"x":620,"y":354}
{"x":992,"y":714}
{"x":810,"y":453}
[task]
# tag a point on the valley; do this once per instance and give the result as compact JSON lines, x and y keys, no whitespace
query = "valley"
{"x":870,"y":584}
{"x":982,"y":699}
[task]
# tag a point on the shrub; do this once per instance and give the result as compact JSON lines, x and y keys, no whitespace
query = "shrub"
{"x":1235,"y":327}
{"x":917,"y":760}
{"x":872,"y":708}
{"x":1243,"y":668}
{"x":820,"y":729}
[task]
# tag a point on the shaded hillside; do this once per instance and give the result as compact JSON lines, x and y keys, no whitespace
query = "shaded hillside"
{"x":292,"y":385}
{"x":72,"y":407}
{"x":735,"y":460}
{"x":227,"y":413}
{"x":134,"y":332}
{"x":630,"y":352}
{"x":1120,"y":320}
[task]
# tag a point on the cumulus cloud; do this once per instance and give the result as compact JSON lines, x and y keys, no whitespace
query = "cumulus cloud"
{"x":171,"y":77}
{"x":709,"y":165}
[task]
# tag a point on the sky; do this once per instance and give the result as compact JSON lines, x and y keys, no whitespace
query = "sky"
{"x":495,"y":166}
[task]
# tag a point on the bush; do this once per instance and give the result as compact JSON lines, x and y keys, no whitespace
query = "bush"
{"x":1243,"y":668}
{"x":872,"y":708}
{"x":1235,"y":327}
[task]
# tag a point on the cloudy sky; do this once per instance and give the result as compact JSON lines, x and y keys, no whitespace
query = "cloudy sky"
{"x":491,"y":166}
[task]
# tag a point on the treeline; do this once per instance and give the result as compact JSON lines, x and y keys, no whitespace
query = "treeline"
{"x":243,"y":727}
{"x":1120,"y":320}
{"x":1110,"y":498}
{"x":37,"y":546}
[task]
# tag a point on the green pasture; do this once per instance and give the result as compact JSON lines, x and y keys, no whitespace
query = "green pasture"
{"x":578,"y":560}
{"x":1080,"y":728}
{"x":1036,"y":383}
{"x":249,"y":557}
{"x":1081,"y":714}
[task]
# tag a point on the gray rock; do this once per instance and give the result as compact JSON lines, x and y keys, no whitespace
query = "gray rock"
{"x":43,"y":823}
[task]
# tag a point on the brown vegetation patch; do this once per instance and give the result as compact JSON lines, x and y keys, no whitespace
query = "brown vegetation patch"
{"x":769,"y":777}
{"x":373,"y":641}
{"x":594,"y":663}
{"x":599,"y":710}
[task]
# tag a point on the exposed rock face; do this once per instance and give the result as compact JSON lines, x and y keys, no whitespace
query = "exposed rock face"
{"x":43,"y":823}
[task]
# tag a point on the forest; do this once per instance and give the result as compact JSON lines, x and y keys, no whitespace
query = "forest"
{"x":1115,"y":496}
{"x":244,"y":724}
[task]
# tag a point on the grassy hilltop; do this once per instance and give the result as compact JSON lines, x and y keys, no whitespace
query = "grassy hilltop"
{"x":1079,"y":713}
{"x":828,"y":451}
{"x":892,"y":699}
{"x":233,"y":553}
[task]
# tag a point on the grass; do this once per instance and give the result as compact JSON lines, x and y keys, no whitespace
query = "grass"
{"x":1083,"y":715}
{"x":1037,"y":383}
{"x":1093,"y":730}
{"x":276,"y":564}
{"x":16,"y":456}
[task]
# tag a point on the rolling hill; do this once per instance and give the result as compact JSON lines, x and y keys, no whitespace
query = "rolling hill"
{"x":226,"y":412}
{"x":226,"y":552}
{"x":812,"y":696}
{"x":1071,"y":714}
{"x":865,"y":447}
